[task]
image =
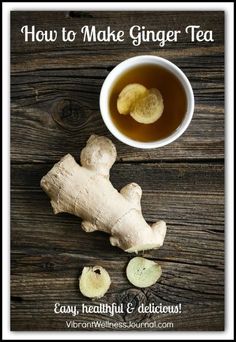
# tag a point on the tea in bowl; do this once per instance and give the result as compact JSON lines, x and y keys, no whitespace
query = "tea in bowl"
{"x":146,"y":102}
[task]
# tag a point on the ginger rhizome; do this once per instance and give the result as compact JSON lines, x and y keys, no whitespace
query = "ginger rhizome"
{"x":87,"y":192}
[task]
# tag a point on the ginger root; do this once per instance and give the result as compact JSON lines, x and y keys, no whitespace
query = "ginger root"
{"x":142,"y":272}
{"x":87,"y":192}
{"x":94,"y":282}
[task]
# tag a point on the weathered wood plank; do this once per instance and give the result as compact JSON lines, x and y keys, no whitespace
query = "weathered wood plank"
{"x":70,"y":61}
{"x":180,"y":283}
{"x":36,"y":87}
{"x":117,"y":20}
{"x":197,"y":243}
{"x":194,"y":177}
{"x":192,"y":257}
{"x":38,"y":316}
{"x":54,"y":109}
{"x":55,"y":89}
{"x":59,"y":126}
{"x":190,"y":199}
{"x":195,"y":288}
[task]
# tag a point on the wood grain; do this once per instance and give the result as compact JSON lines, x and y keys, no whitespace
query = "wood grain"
{"x":53,"y":249}
{"x":194,"y":210}
{"x":54,"y":109}
{"x":68,"y":128}
{"x":117,"y":21}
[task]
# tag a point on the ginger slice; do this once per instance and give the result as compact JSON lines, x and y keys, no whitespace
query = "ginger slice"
{"x":142,"y":272}
{"x":94,"y":282}
{"x":149,"y":108}
{"x":129,"y":96}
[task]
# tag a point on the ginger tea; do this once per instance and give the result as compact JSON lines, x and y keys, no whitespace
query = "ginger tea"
{"x":174,"y":97}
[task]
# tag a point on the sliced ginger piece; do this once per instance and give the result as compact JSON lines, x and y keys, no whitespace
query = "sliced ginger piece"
{"x":149,"y":108}
{"x":94,"y":282}
{"x":129,"y":96}
{"x":142,"y":272}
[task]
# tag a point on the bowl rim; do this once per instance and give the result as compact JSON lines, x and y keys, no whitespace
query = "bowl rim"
{"x":130,"y":63}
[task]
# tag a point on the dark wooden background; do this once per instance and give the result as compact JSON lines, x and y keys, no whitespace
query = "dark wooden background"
{"x":54,"y":109}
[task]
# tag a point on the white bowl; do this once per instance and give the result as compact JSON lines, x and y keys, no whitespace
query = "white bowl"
{"x":130,"y":63}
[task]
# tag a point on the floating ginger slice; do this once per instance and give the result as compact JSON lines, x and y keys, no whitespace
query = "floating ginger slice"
{"x":129,"y":96}
{"x":149,"y":108}
{"x":94,"y":282}
{"x":142,"y":272}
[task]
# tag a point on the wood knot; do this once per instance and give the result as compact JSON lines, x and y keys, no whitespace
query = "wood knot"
{"x":68,"y":114}
{"x":132,"y":299}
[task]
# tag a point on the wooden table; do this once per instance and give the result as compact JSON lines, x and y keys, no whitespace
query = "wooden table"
{"x":54,"y":109}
